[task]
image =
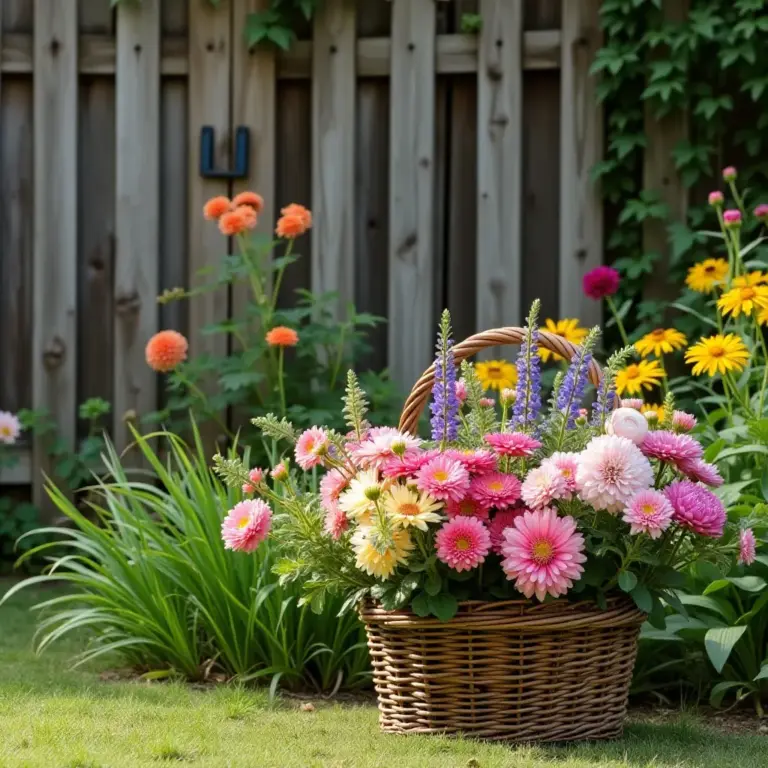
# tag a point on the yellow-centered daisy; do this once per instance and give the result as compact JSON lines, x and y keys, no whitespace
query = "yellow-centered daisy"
{"x":762,"y":316}
{"x":660,"y":342}
{"x":569,"y":329}
{"x":751,"y":278}
{"x":704,"y":276}
{"x":633,"y":379}
{"x":496,"y":374}
{"x":653,"y":408}
{"x":359,"y":500}
{"x":718,"y":354}
{"x":380,"y":552}
{"x":406,"y":506}
{"x":744,"y":300}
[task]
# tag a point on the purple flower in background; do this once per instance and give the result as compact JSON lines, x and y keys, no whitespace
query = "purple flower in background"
{"x":571,"y":391}
{"x":528,"y":392}
{"x":603,"y":406}
{"x":445,"y":401}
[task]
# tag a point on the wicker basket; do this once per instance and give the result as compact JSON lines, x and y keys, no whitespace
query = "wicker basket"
{"x":509,"y":670}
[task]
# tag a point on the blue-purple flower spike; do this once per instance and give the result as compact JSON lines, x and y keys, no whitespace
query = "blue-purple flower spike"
{"x":528,"y":393}
{"x":571,"y":391}
{"x":445,"y":401}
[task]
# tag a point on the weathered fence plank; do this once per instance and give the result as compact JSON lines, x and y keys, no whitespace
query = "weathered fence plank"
{"x":137,"y":266}
{"x":412,"y":161}
{"x":54,"y":338}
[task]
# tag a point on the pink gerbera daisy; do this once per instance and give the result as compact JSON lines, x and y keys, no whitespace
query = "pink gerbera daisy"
{"x":669,"y":447}
{"x":336,"y":522}
{"x":376,"y":450}
{"x":495,"y":489}
{"x":503,"y":519}
{"x":611,"y":471}
{"x":463,"y":543}
{"x":567,"y":463}
{"x":543,"y":485}
{"x":476,"y":462}
{"x":10,"y":428}
{"x":649,"y":512}
{"x":311,"y":446}
{"x":408,"y":464}
{"x":444,"y":478}
{"x":331,"y":486}
{"x":512,"y":443}
{"x":246,"y":525}
{"x":747,"y":547}
{"x":543,"y":553}
{"x":701,"y":471}
{"x":696,"y":508}
{"x":467,"y":507}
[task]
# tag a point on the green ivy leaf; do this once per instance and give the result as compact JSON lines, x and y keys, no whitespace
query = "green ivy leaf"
{"x":444,"y":606}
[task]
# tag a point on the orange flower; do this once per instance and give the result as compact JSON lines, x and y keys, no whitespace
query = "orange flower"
{"x":280,"y":336}
{"x":294,"y":209}
{"x":250,"y":219}
{"x":290,"y":226}
{"x":165,"y":350}
{"x":233,"y":222}
{"x":249,"y":198}
{"x":216,"y":207}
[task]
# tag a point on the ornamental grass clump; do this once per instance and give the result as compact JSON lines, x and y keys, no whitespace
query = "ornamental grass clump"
{"x":503,"y":500}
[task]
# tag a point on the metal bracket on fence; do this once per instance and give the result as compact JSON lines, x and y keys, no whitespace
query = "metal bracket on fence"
{"x":208,"y":168}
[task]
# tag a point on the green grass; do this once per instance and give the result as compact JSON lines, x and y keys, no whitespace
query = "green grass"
{"x":56,"y":717}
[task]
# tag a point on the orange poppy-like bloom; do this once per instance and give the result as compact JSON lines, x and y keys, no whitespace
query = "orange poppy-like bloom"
{"x":233,"y":223}
{"x":250,"y":219}
{"x":252,"y":199}
{"x":280,"y":336}
{"x":165,"y":350}
{"x":290,"y":227}
{"x":216,"y":207}
{"x":294,"y":209}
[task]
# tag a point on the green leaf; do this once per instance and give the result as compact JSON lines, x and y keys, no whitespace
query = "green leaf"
{"x":627,"y":581}
{"x":716,"y":586}
{"x":642,"y":597}
{"x":717,"y":693}
{"x":742,"y":449}
{"x":434,"y":583}
{"x":748,"y":583}
{"x":444,"y":606}
{"x":719,"y":643}
{"x":420,"y":604}
{"x":762,"y":674}
{"x":281,"y":36}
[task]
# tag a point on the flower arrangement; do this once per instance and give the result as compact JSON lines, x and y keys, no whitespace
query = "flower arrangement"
{"x":506,"y":499}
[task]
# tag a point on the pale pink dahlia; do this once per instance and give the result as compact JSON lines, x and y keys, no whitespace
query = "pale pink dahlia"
{"x":649,"y":512}
{"x":311,"y":446}
{"x":611,"y":471}
{"x":408,"y":464}
{"x":696,"y":508}
{"x":502,"y":520}
{"x":544,"y":553}
{"x":683,"y":421}
{"x":512,"y":443}
{"x":376,"y":450}
{"x":336,"y":522}
{"x":632,"y":402}
{"x":701,"y":471}
{"x":747,"y":547}
{"x":543,"y":485}
{"x":567,"y":463}
{"x":495,"y":490}
{"x":476,"y":462}
{"x":463,"y":543}
{"x":331,"y":486}
{"x":444,"y":478}
{"x":467,"y":507}
{"x":10,"y":428}
{"x":671,"y":448}
{"x":246,"y":525}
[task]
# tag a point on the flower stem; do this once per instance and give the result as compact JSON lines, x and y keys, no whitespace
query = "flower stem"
{"x":619,"y":324}
{"x":280,"y":383}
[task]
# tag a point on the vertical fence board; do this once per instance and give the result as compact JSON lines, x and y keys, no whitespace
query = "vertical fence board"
{"x":581,"y":146}
{"x":333,"y":137}
{"x":412,"y":159}
{"x":209,"y":104}
{"x":499,"y":164}
{"x":55,"y":223}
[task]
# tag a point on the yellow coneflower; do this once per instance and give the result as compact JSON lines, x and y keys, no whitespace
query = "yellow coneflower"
{"x":496,"y":374}
{"x":569,"y":329}
{"x":718,"y":354}
{"x":633,"y":379}
{"x":704,"y":276}
{"x":743,"y":300}
{"x":661,"y":341}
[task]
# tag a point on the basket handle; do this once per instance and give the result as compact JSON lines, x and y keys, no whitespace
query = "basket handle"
{"x":409,"y":419}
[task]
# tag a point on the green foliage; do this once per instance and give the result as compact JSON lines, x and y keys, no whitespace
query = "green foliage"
{"x":276,"y":24}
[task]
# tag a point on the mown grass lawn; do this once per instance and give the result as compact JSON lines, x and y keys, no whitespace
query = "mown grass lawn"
{"x":55,"y":717}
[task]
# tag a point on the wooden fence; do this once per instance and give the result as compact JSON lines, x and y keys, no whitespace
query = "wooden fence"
{"x":443,"y":168}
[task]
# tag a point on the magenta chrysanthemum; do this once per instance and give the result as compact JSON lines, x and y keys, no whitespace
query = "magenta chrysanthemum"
{"x":682,"y":421}
{"x":567,"y":464}
{"x":408,"y":464}
{"x":336,"y":522}
{"x":444,"y":478}
{"x":701,"y":471}
{"x":611,"y":471}
{"x":543,"y":553}
{"x":311,"y":446}
{"x":502,"y":520}
{"x":495,"y":490}
{"x":696,"y":508}
{"x":476,"y":462}
{"x":747,"y":547}
{"x":467,"y":507}
{"x":246,"y":525}
{"x":463,"y":543}
{"x":331,"y":486}
{"x":649,"y":512}
{"x":671,"y":448}
{"x":512,"y":443}
{"x":375,"y":451}
{"x":543,"y":485}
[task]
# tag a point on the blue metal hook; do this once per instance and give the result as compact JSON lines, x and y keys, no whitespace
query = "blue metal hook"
{"x":208,"y":169}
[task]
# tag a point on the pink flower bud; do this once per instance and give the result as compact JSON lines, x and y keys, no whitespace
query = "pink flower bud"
{"x":632,"y":402}
{"x":682,"y":421}
{"x":280,"y":472}
{"x":629,"y":423}
{"x":716,"y":198}
{"x":256,"y":475}
{"x":729,"y":173}
{"x":761,"y":212}
{"x":732,"y":217}
{"x":507,"y":396}
{"x":248,"y":488}
{"x":461,"y":390}
{"x":486,"y":402}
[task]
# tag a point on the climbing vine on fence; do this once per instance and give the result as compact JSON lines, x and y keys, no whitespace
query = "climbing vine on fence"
{"x":713,"y":64}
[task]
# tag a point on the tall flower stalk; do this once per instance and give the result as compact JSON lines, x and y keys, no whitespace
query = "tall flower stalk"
{"x":528,"y":393}
{"x":571,"y":392}
{"x":445,"y":401}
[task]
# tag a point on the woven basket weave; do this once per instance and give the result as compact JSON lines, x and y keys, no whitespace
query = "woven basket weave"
{"x":513,"y":670}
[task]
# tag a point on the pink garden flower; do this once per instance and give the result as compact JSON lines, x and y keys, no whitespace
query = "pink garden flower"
{"x":255,"y":477}
{"x":476,"y":462}
{"x":701,"y":471}
{"x":696,"y":508}
{"x":311,"y":446}
{"x":461,"y":390}
{"x":507,"y":396}
{"x":611,"y":471}
{"x":543,"y":485}
{"x":503,"y":519}
{"x":467,"y":507}
{"x":463,"y":543}
{"x":729,"y":173}
{"x":512,"y":443}
{"x":375,"y":451}
{"x":629,"y":423}
{"x":732,"y":217}
{"x":567,"y":464}
{"x":336,"y":522}
{"x":632,"y":402}
{"x":331,"y":486}
{"x":408,"y":464}
{"x":649,"y":512}
{"x":444,"y":478}
{"x":280,"y":472}
{"x":486,"y":402}
{"x":601,"y":282}
{"x":543,"y":553}
{"x":747,"y":547}
{"x":10,"y":428}
{"x":682,"y":421}
{"x":716,"y":198}
{"x":671,"y":448}
{"x":495,"y":489}
{"x":761,"y":211}
{"x":246,"y":525}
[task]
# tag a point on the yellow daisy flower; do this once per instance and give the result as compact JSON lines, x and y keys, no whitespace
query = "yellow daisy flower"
{"x":762,"y":316}
{"x":704,"y":276}
{"x":661,"y":341}
{"x":745,"y":299}
{"x":751,"y":278}
{"x":633,"y":379}
{"x":496,"y":374}
{"x":406,"y":506}
{"x":653,"y":408}
{"x":569,"y":329}
{"x":718,"y":354}
{"x":380,"y":552}
{"x":359,"y":500}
